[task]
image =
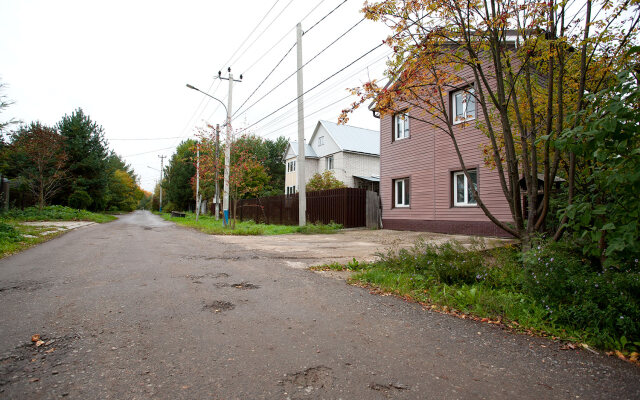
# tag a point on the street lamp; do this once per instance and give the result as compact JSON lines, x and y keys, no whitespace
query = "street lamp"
{"x":227,"y":157}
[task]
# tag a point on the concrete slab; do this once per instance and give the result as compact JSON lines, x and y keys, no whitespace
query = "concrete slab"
{"x":302,"y":251}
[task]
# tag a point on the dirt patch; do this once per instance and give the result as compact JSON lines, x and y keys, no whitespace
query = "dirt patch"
{"x":219,"y":306}
{"x":306,"y":382}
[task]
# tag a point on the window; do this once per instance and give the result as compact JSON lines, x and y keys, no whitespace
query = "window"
{"x":329,"y":162}
{"x":462,"y":194}
{"x":463,"y":105}
{"x":320,"y":140}
{"x":401,"y":126}
{"x":401,"y":192}
{"x":291,"y":166}
{"x":291,"y":190}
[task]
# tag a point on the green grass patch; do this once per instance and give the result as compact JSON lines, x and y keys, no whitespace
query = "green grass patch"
{"x":55,"y":213}
{"x":550,"y":290}
{"x":209,"y":225}
{"x":15,"y":237}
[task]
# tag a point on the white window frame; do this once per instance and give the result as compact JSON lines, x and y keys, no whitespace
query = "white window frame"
{"x":329,"y":164}
{"x":467,"y":192}
{"x":469,"y":92}
{"x":401,"y":198}
{"x":401,"y":125}
{"x":320,"y":140}
{"x":291,"y":166}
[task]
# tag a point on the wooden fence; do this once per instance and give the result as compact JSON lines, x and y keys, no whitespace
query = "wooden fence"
{"x":347,"y":206}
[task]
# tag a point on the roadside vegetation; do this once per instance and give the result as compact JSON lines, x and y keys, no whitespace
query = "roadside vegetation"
{"x":551,"y":290}
{"x":16,"y":236}
{"x":209,"y":225}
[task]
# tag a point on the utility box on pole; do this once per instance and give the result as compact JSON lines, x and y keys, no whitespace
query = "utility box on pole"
{"x":302,"y":190}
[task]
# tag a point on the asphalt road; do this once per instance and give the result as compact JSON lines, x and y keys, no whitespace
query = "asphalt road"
{"x":139,"y":308}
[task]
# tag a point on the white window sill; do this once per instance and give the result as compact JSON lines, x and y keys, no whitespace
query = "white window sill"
{"x":460,"y":121}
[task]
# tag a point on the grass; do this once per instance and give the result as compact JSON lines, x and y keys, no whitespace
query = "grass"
{"x":496,"y":285}
{"x":16,"y":237}
{"x":209,"y":225}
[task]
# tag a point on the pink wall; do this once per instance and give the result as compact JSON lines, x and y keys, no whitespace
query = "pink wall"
{"x":428,"y":158}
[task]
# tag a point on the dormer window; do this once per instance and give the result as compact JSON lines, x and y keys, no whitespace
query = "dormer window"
{"x":321,"y":141}
{"x":401,"y":125}
{"x":463,"y":105}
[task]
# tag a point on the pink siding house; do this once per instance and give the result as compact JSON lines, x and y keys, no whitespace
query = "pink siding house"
{"x":422,"y":186}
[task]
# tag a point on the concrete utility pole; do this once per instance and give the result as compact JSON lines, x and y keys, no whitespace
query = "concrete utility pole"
{"x":227,"y":150}
{"x":217,"y":208}
{"x":161,"y":169}
{"x":198,"y":181}
{"x":302,"y":189}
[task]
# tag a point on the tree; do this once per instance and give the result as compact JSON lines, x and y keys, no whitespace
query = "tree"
{"x":178,"y":174}
{"x":5,"y":103}
{"x":39,"y":160}
{"x":324,"y":181}
{"x":86,"y":158}
{"x":247,"y":175}
{"x":524,"y":66}
{"x":124,"y":193}
{"x":605,"y":214}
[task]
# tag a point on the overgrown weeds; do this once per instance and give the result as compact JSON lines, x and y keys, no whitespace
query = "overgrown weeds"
{"x":55,"y":213}
{"x":550,"y":290}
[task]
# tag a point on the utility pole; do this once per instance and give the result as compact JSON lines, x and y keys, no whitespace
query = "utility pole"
{"x":217,"y":208}
{"x":198,"y":181}
{"x":302,"y":189}
{"x":161,"y":169}
{"x":227,"y":150}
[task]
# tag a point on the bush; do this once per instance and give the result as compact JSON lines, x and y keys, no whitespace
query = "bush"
{"x":8,"y":233}
{"x":604,"y":302}
{"x":80,"y":199}
{"x":52,"y":213}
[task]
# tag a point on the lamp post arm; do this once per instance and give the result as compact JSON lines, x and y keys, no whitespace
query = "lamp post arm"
{"x":208,"y":95}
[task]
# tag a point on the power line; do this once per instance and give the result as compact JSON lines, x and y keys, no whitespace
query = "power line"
{"x":148,"y":152}
{"x":322,"y":19}
{"x":281,"y":39}
{"x":304,"y":65}
{"x":263,"y":31}
{"x":318,"y":84}
{"x":166,"y":138}
{"x":267,"y":77}
{"x":251,"y":33}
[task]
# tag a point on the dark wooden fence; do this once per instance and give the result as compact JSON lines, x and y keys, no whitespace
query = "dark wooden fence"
{"x":346,"y":206}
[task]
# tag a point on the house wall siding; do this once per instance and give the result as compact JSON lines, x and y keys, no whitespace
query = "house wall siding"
{"x":429,"y":159}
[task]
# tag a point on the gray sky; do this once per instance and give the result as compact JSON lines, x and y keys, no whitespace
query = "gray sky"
{"x":126,"y":63}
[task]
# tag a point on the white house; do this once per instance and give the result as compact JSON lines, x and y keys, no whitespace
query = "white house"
{"x":351,"y":153}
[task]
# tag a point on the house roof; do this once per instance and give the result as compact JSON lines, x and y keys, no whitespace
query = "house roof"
{"x":308,"y":150}
{"x":351,"y":138}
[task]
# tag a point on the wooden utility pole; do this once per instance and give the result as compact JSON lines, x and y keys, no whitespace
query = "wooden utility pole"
{"x":302,"y":190}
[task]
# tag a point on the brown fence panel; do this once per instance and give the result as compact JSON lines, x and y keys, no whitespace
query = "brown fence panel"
{"x":345,"y":206}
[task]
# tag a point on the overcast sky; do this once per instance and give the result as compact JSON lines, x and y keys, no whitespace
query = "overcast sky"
{"x":126,"y":63}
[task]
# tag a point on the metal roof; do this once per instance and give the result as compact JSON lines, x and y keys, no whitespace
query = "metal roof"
{"x":368,"y":178}
{"x":351,"y":138}
{"x":308,"y":150}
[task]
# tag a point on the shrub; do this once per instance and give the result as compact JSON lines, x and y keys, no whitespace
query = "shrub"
{"x":80,"y":199}
{"x":8,"y":233}
{"x":604,"y":302}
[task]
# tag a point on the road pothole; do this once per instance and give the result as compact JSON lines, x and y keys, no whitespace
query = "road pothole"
{"x":26,"y":286}
{"x":219,"y":306}
{"x":307,"y":382}
{"x":199,"y":278}
{"x":388,"y":386}
{"x":41,"y":355}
